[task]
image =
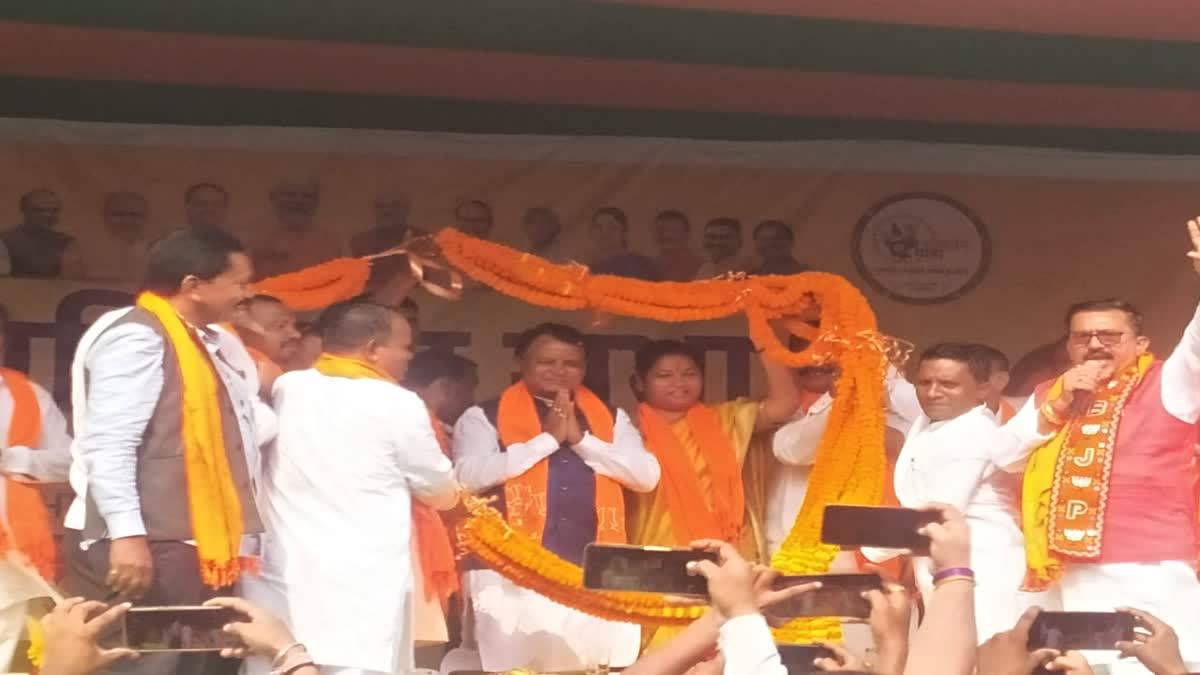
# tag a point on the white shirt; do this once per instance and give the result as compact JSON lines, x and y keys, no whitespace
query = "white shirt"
{"x":947,"y":462}
{"x":47,"y":463}
{"x":337,"y":488}
{"x":795,"y":446}
{"x":481,"y":464}
{"x":116,"y":379}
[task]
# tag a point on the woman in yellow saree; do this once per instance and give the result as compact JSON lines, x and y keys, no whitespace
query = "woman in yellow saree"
{"x":703,"y":451}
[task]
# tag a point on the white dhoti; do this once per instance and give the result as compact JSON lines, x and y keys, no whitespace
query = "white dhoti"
{"x":518,"y":628}
{"x":1168,"y":590}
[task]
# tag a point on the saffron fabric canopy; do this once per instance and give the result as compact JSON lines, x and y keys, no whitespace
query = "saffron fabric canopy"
{"x":1102,"y":75}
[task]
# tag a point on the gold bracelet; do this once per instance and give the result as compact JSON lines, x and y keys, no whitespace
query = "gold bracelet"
{"x":1051,"y":416}
{"x":941,"y":582}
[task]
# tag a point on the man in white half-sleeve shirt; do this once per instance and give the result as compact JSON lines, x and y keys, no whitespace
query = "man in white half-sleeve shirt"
{"x":557,"y":459}
{"x":34,"y":448}
{"x":354,"y":449}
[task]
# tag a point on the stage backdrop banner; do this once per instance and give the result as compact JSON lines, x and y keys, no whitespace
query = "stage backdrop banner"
{"x":948,"y":242}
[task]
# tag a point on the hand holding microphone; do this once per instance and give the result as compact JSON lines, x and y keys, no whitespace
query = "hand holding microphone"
{"x":1079,"y":384}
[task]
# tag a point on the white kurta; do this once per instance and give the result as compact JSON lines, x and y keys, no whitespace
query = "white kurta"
{"x":947,"y":462}
{"x":336,"y":494}
{"x":46,"y":463}
{"x":514,"y":626}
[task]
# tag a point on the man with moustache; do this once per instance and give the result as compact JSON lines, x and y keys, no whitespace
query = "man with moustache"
{"x":1108,"y":451}
{"x":296,"y":240}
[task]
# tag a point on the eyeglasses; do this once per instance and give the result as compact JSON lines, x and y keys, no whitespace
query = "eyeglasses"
{"x":1108,"y":338}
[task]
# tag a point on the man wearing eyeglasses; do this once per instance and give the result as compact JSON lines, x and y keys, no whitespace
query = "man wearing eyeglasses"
{"x":1107,"y":449}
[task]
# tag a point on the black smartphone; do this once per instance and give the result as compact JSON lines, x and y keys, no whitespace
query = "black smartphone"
{"x":798,"y":659}
{"x":840,"y":595}
{"x":179,"y":629}
{"x":878,"y":526}
{"x":644,"y":569}
{"x":1080,"y":630}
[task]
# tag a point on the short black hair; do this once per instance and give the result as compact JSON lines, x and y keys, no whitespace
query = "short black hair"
{"x":996,"y":358}
{"x":674,"y":214}
{"x":777,"y":224}
{"x":650,"y":353}
{"x":187,"y":194}
{"x":725,"y":221}
{"x":977,"y":363}
{"x":435,"y":364}
{"x":348,"y":326}
{"x":557,"y":331}
{"x":614,"y":213}
{"x":188,"y":253}
{"x":1135,"y":316}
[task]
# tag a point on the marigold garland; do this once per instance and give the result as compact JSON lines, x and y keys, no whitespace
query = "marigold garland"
{"x":522,"y":560}
{"x":319,"y":286}
{"x":850,"y":462}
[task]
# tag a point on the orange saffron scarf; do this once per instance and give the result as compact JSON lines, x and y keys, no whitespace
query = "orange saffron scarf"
{"x":1066,"y":481}
{"x":438,"y":570}
{"x":694,"y":514}
{"x":216,"y":509}
{"x":28,"y":520}
{"x":525,"y":496}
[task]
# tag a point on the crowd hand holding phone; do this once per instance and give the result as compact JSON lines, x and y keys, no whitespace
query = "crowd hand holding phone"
{"x":1157,"y":649}
{"x":891,"y":613}
{"x":1071,"y":663}
{"x":1008,"y":653}
{"x":737,"y":588}
{"x":130,"y":567}
{"x":562,"y":420}
{"x":843,"y":661}
{"x":950,"y":539}
{"x":264,"y":635}
{"x":72,"y":632}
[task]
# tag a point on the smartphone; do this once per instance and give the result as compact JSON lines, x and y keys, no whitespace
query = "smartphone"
{"x":644,"y":569}
{"x":1081,"y":630}
{"x":798,"y":659}
{"x":876,"y":526}
{"x":179,"y":629}
{"x":840,"y":595}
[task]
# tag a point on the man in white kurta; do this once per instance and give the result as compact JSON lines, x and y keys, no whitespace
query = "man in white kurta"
{"x":46,"y":463}
{"x":514,"y":626}
{"x":351,"y":454}
{"x":945,"y":459}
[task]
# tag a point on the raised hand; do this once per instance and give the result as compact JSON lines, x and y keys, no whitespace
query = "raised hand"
{"x":556,"y":421}
{"x":1194,"y":235}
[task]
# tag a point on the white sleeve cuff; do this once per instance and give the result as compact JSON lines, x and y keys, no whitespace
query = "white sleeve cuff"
{"x":125,"y":524}
{"x":589,"y":445}
{"x":748,"y":647}
{"x":16,"y":459}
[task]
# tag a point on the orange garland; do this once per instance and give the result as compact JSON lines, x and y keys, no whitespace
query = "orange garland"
{"x":850,"y":464}
{"x":319,"y":286}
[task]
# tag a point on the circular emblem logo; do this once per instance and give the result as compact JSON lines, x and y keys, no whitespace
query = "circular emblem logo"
{"x":921,"y":248}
